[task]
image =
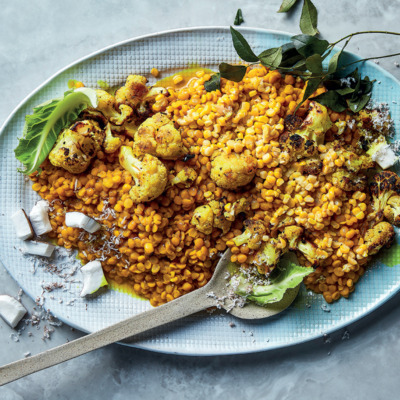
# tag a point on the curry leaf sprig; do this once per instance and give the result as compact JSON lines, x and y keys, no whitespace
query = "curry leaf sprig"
{"x":304,"y":56}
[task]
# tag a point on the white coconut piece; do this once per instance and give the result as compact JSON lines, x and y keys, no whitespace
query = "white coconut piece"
{"x":11,"y":310}
{"x":385,"y":157}
{"x":76,"y":219}
{"x":93,"y":278}
{"x":38,"y":248}
{"x":22,"y":225}
{"x":40,"y":218}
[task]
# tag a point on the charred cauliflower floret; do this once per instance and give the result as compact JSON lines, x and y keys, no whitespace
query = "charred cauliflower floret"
{"x":185,"y":176}
{"x":203,"y":219}
{"x":292,"y":235}
{"x":239,"y":206}
{"x":316,"y":123}
{"x":311,"y":252}
{"x":111,"y":143}
{"x":75,"y":147}
{"x":116,"y":114}
{"x":347,"y":181}
{"x":299,"y":146}
{"x":253,"y":234}
{"x":159,"y":137}
{"x":148,"y":172}
{"x":392,"y":210}
{"x":132,"y":92}
{"x":233,"y":170}
{"x":380,"y":235}
{"x":383,"y":186}
{"x":219,"y":220}
{"x":267,"y":257}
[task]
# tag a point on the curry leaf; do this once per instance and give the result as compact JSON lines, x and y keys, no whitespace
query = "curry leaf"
{"x":332,"y":99}
{"x":239,"y":18}
{"x":47,"y":121}
{"x":308,"y":19}
{"x":314,"y":64}
{"x":359,"y":103}
{"x":312,"y":86}
{"x":308,"y":45}
{"x":333,"y":62}
{"x":233,"y":73}
{"x":242,"y":48}
{"x":290,"y":56}
{"x":286,"y":5}
{"x":213,"y":83}
{"x":271,"y":57}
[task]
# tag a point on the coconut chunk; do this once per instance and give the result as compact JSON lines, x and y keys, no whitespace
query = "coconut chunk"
{"x":22,"y":225}
{"x":38,"y":248}
{"x":11,"y":310}
{"x":385,"y":157}
{"x":40,"y":218}
{"x":76,"y":219}
{"x":93,"y":278}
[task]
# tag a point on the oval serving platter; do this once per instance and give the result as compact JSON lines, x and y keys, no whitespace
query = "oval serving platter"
{"x":202,"y":334}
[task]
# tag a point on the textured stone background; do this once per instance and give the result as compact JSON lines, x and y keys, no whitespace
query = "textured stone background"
{"x":36,"y":40}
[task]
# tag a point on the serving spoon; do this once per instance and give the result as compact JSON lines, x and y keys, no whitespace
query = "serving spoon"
{"x":213,"y":293}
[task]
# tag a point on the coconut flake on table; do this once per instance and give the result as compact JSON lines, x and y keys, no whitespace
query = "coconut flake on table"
{"x":11,"y":310}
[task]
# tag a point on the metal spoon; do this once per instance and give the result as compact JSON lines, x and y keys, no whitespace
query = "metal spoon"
{"x":126,"y":330}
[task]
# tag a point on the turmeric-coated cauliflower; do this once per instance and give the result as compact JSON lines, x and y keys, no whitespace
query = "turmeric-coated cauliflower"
{"x":380,"y":235}
{"x":230,"y":171}
{"x":108,"y":107}
{"x":76,"y":146}
{"x":185,"y":176}
{"x":203,"y":219}
{"x":133,"y":92}
{"x":148,"y":172}
{"x":158,"y":136}
{"x":111,"y":143}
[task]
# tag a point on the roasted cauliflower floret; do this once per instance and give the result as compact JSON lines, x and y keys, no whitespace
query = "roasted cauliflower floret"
{"x":392,"y":210}
{"x":148,"y":172}
{"x":311,"y":252}
{"x":185,"y":176}
{"x":75,"y":147}
{"x":316,"y":123}
{"x":133,"y":92}
{"x":203,"y":219}
{"x":253,"y":234}
{"x":299,"y":146}
{"x":233,"y":170}
{"x":116,"y":114}
{"x":219,"y":220}
{"x":292,"y":235}
{"x":111,"y":143}
{"x":347,"y":181}
{"x":239,"y":206}
{"x":267,"y":257}
{"x":380,"y":235}
{"x":383,"y":186}
{"x":159,"y":137}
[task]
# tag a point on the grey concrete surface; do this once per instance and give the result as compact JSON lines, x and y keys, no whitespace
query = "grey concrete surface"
{"x":37,"y":38}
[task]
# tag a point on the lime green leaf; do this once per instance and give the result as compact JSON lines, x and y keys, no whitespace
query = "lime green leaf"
{"x":239,"y":18}
{"x":287,"y":276}
{"x":242,"y":48}
{"x":233,"y":73}
{"x":286,"y":5}
{"x":47,"y":121}
{"x":309,"y":18}
{"x":213,"y":83}
{"x":271,"y":58}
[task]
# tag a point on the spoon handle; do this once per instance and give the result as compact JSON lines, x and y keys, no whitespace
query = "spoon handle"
{"x":179,"y":308}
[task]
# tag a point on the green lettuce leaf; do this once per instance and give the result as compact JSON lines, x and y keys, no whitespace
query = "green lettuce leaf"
{"x":47,"y":121}
{"x":287,"y":275}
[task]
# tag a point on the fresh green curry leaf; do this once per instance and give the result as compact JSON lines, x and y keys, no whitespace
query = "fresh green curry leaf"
{"x":286,"y":5}
{"x":271,"y":58}
{"x":290,"y":56}
{"x":359,"y":103}
{"x":214,"y":83}
{"x":314,"y":64}
{"x":233,"y":73}
{"x":242,"y":48}
{"x":332,"y":99}
{"x":239,"y":18}
{"x":47,"y":121}
{"x":308,"y":45}
{"x":312,"y":86}
{"x":309,"y":18}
